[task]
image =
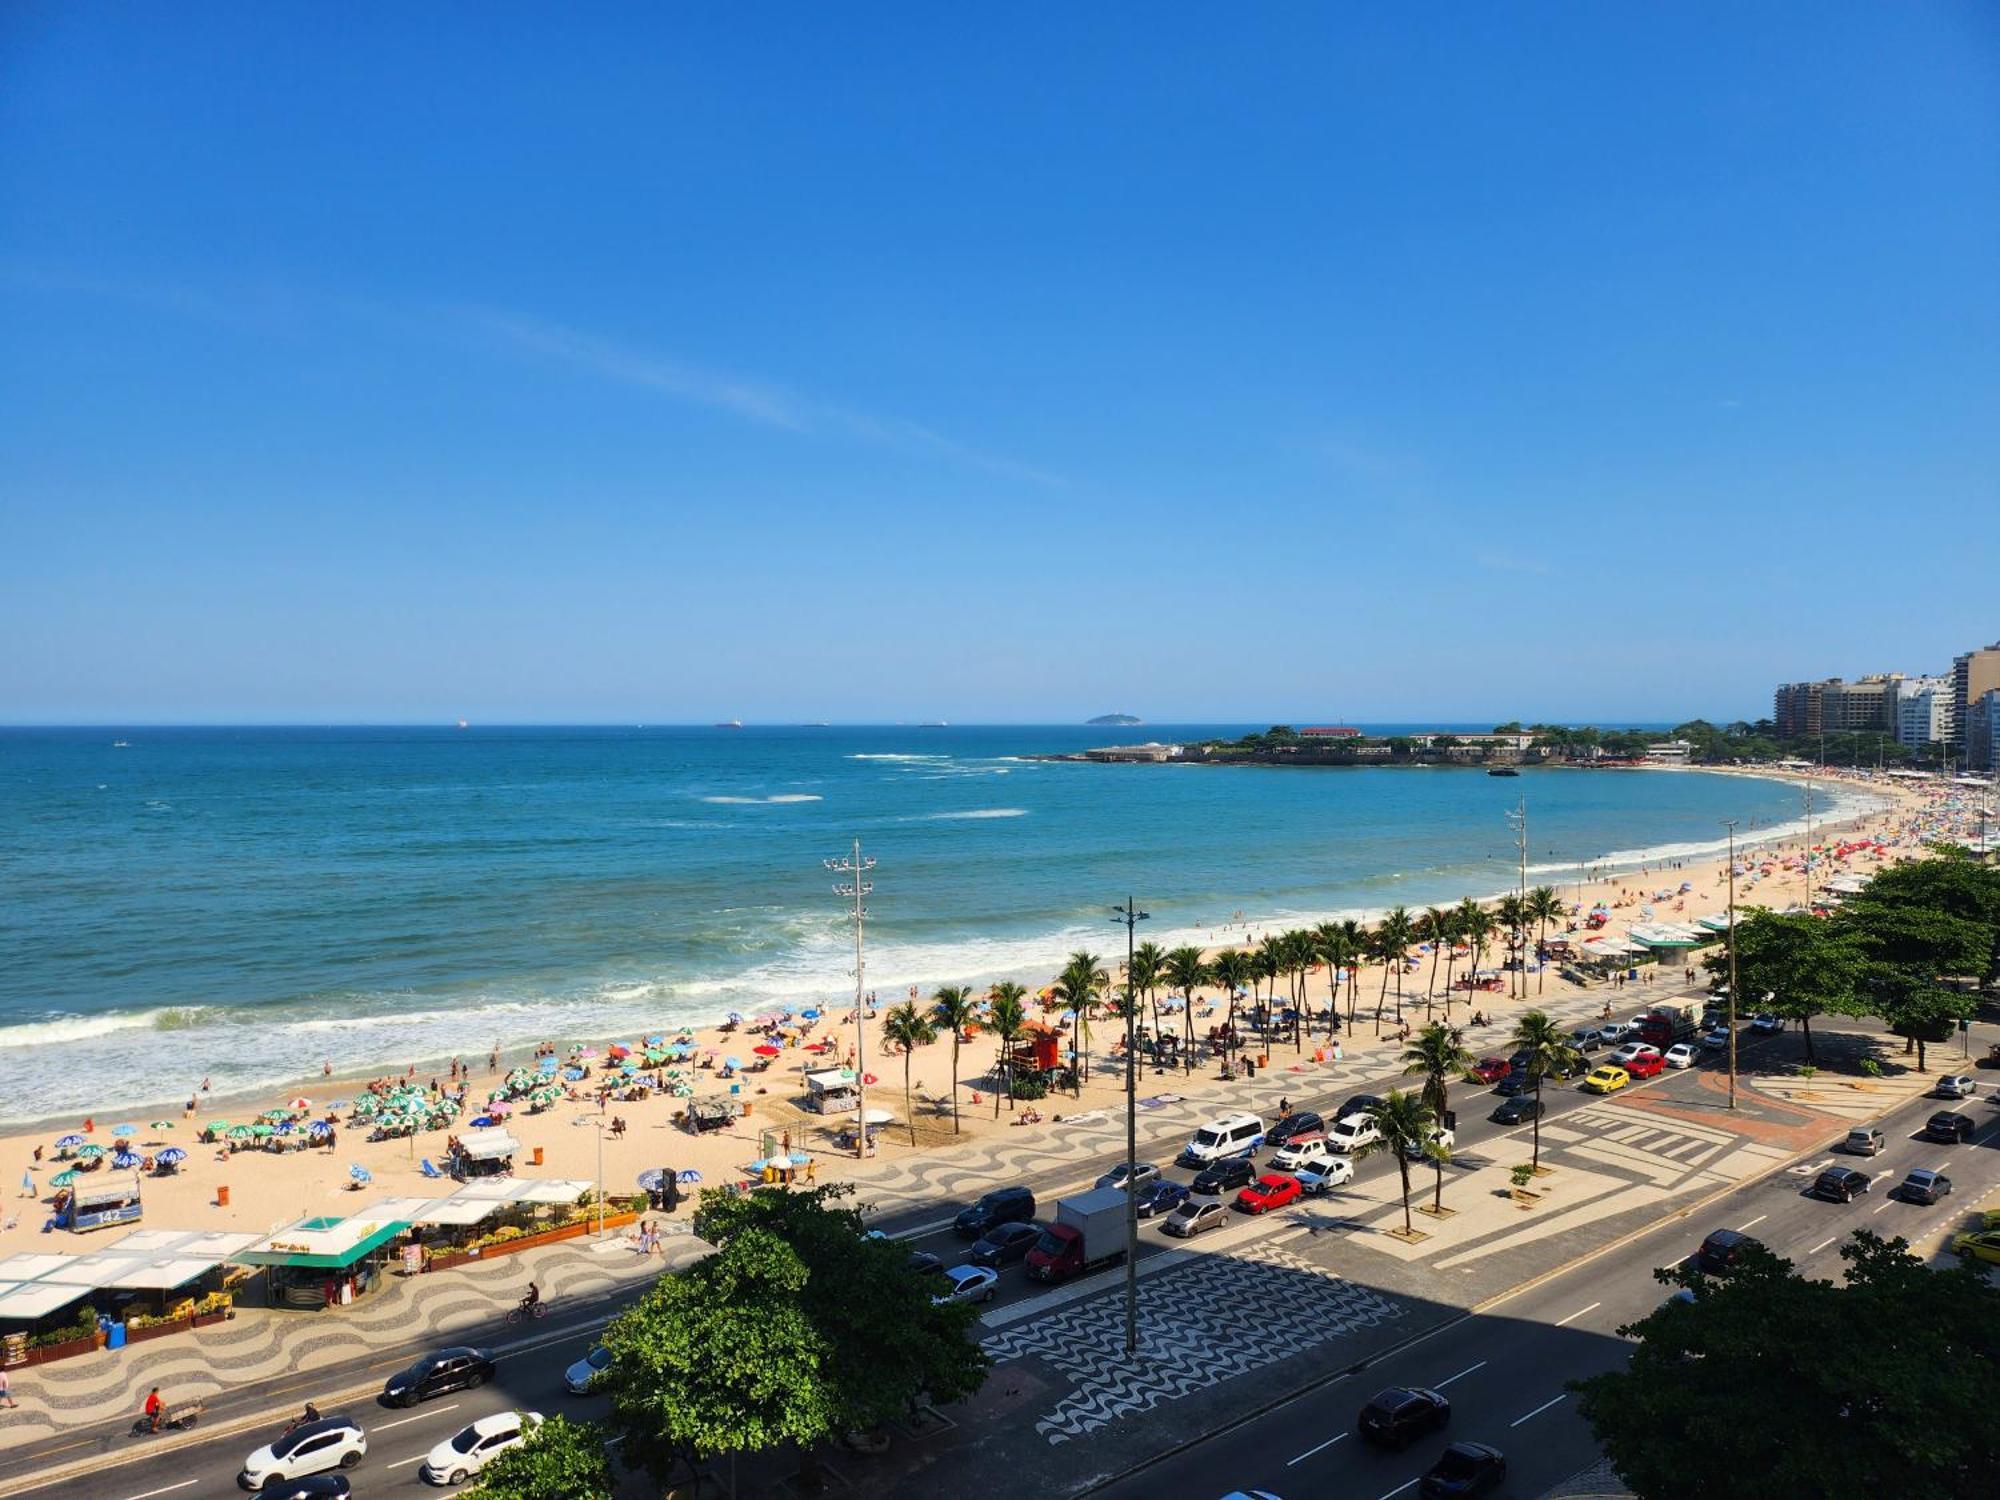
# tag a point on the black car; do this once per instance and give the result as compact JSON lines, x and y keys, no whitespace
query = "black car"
{"x":1359,"y":1104}
{"x":1518,"y":1110}
{"x":1299,"y":1122}
{"x":1515,"y":1083}
{"x":1163,"y":1197}
{"x":1004,"y":1244}
{"x":1719,"y":1252}
{"x":1840,"y":1184}
{"x":1001,"y":1206}
{"x":923,"y":1263}
{"x":1465,"y":1469}
{"x":1948,"y":1125}
{"x":311,"y":1487}
{"x":456,"y":1369}
{"x":1225,"y":1177}
{"x":1397,"y":1417}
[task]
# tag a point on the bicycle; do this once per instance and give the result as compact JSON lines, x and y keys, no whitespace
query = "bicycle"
{"x":521,"y":1311}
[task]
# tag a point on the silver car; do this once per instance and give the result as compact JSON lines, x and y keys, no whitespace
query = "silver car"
{"x":1958,"y":1086}
{"x":968,"y":1284}
{"x":1192,"y":1217}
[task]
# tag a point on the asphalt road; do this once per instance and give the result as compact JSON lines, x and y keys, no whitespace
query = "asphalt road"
{"x":1504,"y":1369}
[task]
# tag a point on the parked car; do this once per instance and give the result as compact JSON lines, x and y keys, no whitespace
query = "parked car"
{"x":332,"y":1486}
{"x":1517,"y":1111}
{"x":1840,"y":1184}
{"x":1001,"y":1206}
{"x":1310,"y":1152}
{"x":1865,"y":1140}
{"x":579,"y":1377}
{"x":1957,"y":1086}
{"x":309,"y":1448}
{"x":1337,"y":1172}
{"x":1357,"y":1104}
{"x":1681,"y":1055}
{"x":1465,"y":1469}
{"x":1719,"y":1253}
{"x":1611,"y":1033}
{"x":1518,"y":1081}
{"x":1647,"y":1065}
{"x":1193,"y":1216}
{"x":1950,"y":1127}
{"x":1586,"y":1039}
{"x":1272,"y":1190}
{"x":1354,"y":1132}
{"x":1139,"y":1172}
{"x":1715,"y":1037}
{"x":968,"y":1284}
{"x":1765,"y":1024}
{"x":476,"y":1445}
{"x":461,"y":1368}
{"x":1490,"y":1069}
{"x":1632,"y":1050}
{"x":1004,"y":1244}
{"x":1979,"y":1244}
{"x":1607,"y":1080}
{"x":1300,"y":1122}
{"x":1236,"y":1134}
{"x":1223,"y":1177}
{"x":1161,"y":1197}
{"x":1444,"y":1137}
{"x":1924,"y":1186}
{"x":1397,"y":1417}
{"x":923,"y":1263}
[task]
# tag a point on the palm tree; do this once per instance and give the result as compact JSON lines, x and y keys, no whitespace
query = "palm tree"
{"x":1397,"y":933}
{"x":1541,"y":1036}
{"x":1454,"y":929}
{"x":1475,"y":925}
{"x":1267,"y":963}
{"x":1405,"y":1122}
{"x":1434,"y":927}
{"x":1437,"y":1053}
{"x":1330,"y":943}
{"x":1147,"y":969}
{"x":1082,"y":980}
{"x":1008,"y":1016}
{"x":1357,"y":946}
{"x":953,"y":1008}
{"x":1544,"y":907}
{"x":1301,"y":953}
{"x":910,"y":1029}
{"x":1187,"y":971}
{"x":1232,"y":971}
{"x":1512,"y":914}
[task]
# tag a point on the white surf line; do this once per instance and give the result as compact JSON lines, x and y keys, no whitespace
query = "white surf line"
{"x":190,"y":1483}
{"x":435,"y":1411}
{"x":1740,"y":1228}
{"x":1311,"y":1451}
{"x":1460,"y":1375}
{"x":1565,"y":1322}
{"x":1539,"y":1410}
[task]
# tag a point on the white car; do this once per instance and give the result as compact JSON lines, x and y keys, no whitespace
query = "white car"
{"x":1715,"y":1036}
{"x":310,"y":1448}
{"x":1336,"y":1171}
{"x":579,"y":1377}
{"x":1310,"y":1153}
{"x":1352,"y":1133}
{"x":472,"y":1448}
{"x":1613,"y":1031}
{"x":1766,"y":1024}
{"x":1681,"y":1055}
{"x":1958,"y":1086}
{"x":1632,"y":1051}
{"x":968,"y":1284}
{"x":1444,"y":1138}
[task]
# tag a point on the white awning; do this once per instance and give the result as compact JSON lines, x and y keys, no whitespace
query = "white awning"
{"x":28,"y":1265}
{"x":38,"y":1299}
{"x":457,"y":1211}
{"x":487,"y":1145}
{"x":163,"y":1275}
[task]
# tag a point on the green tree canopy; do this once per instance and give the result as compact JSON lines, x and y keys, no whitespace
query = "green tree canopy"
{"x":559,"y":1460}
{"x":1886,"y":1384}
{"x":1796,"y":967}
{"x":1952,"y":884}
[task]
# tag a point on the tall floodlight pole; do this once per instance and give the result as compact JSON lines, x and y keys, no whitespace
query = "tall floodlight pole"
{"x":1519,"y":818}
{"x":1730,"y":824}
{"x":853,"y":869}
{"x":1131,"y":917}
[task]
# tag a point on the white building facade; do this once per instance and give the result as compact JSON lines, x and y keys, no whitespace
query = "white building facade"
{"x":1924,"y":711}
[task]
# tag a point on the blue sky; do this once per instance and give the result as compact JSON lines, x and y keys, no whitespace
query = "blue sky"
{"x":393,"y":364}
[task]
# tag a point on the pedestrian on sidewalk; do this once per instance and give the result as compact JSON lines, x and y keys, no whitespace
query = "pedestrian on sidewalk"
{"x":7,"y":1392}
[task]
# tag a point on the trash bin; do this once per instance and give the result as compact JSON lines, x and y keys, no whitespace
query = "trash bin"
{"x":114,"y":1335}
{"x":537,"y":1158}
{"x":222,"y":1197}
{"x":1249,"y":1067}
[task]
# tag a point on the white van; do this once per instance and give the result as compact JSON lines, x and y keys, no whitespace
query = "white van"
{"x":1218,"y":1140}
{"x":1354,"y":1132}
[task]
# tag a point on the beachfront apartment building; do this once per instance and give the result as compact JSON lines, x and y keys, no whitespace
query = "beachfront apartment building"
{"x":1982,"y":732}
{"x":1801,"y":710}
{"x":1973,"y":675}
{"x":1924,"y":714}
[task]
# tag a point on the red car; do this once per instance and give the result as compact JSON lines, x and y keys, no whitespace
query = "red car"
{"x":1491,"y":1069}
{"x":1268,"y":1192}
{"x":1645,"y":1065}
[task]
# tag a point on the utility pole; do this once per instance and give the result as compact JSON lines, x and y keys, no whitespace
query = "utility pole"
{"x":1809,"y":854}
{"x":1131,"y":917}
{"x":1730,"y":824}
{"x":854,"y":870}
{"x":1519,"y":818}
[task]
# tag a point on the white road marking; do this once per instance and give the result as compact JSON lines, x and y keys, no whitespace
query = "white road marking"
{"x":1564,"y":1323}
{"x":1539,"y":1410}
{"x":1460,"y":1375}
{"x":1753,"y":1223}
{"x":1311,"y":1451}
{"x":184,"y":1484}
{"x":1821,"y":1245}
{"x":1887,"y":1203}
{"x":435,"y":1411}
{"x":1400,"y":1488}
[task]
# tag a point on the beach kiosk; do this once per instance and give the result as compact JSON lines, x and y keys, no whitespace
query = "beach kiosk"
{"x":323,"y":1262}
{"x":486,"y":1153}
{"x":832,"y":1091}
{"x":99,"y":1205}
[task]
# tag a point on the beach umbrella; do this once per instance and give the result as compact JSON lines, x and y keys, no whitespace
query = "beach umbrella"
{"x":766,"y":1050}
{"x":318,"y":1130}
{"x":360,"y":1173}
{"x":64,"y":1179}
{"x":735,"y":1015}
{"x":809,"y":1015}
{"x":124,"y":1130}
{"x":688,"y":1175}
{"x":654,"y":1041}
{"x":260,"y":1130}
{"x":572,"y":1074}
{"x":173,"y":1156}
{"x":482,"y":1121}
{"x":586,"y":1052}
{"x":90,"y":1151}
{"x":287,"y":1127}
{"x":335,"y":1104}
{"x":870,"y":1079}
{"x":875,"y":1116}
{"x":124,"y":1160}
{"x":68,"y":1142}
{"x":161,"y":1125}
{"x":652,"y":1179}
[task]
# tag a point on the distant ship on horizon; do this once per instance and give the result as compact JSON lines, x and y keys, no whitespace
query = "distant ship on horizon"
{"x":730,"y":724}
{"x":935,"y":724}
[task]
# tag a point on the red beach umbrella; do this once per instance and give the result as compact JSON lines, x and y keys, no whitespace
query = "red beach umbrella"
{"x":765,"y":1050}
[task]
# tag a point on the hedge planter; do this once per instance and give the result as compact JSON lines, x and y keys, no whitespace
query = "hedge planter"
{"x":575,"y":1231}
{"x":156,"y":1330}
{"x":204,"y":1320}
{"x":69,"y":1350}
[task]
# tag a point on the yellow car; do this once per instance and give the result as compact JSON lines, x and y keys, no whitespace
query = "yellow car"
{"x":1607,"y":1080}
{"x":1983,"y":1245}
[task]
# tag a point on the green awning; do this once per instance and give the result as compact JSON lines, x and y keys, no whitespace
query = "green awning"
{"x":274,"y":1252}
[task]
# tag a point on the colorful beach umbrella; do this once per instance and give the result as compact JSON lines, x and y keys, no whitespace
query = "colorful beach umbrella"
{"x":124,"y":1160}
{"x":91,"y":1151}
{"x":572,"y":1074}
{"x":766,"y":1050}
{"x":173,"y":1156}
{"x":319,"y":1130}
{"x":360,"y":1173}
{"x":68,"y":1142}
{"x":64,"y":1179}
{"x":241,"y":1132}
{"x":124,"y":1130}
{"x":161,"y":1125}
{"x":689,"y":1175}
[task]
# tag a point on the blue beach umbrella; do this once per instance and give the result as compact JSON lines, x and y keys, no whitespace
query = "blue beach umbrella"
{"x":689,"y":1175}
{"x":125,"y":1130}
{"x":732,"y":1062}
{"x":173,"y":1156}
{"x":547,"y":1065}
{"x":809,"y":1015}
{"x":68,"y":1142}
{"x":124,"y":1160}
{"x":572,"y":1074}
{"x":319,"y":1130}
{"x":736,"y":1016}
{"x":652,"y":1179}
{"x":654,"y":1041}
{"x":360,"y":1173}
{"x":480,"y":1122}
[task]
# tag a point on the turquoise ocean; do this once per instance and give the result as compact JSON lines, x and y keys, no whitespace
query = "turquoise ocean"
{"x":246,"y":904}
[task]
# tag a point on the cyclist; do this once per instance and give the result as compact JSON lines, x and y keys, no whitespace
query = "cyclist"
{"x":155,"y":1408}
{"x":532,"y":1301}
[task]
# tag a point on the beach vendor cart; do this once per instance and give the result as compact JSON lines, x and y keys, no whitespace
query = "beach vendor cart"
{"x":486,"y":1153}
{"x":710,"y":1114}
{"x":95,"y":1205}
{"x":831,"y":1091}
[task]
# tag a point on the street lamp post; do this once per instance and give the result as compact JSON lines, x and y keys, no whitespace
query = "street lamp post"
{"x":1730,"y":824}
{"x":1131,"y":917}
{"x":854,"y":868}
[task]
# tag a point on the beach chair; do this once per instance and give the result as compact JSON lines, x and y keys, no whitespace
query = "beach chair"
{"x":428,"y":1169}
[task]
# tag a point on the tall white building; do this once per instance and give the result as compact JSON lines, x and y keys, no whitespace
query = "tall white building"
{"x":1924,"y":711}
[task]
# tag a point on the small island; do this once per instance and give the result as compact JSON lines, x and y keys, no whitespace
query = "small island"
{"x":1121,"y":721}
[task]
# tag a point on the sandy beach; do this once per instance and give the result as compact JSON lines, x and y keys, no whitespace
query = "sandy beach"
{"x":267,"y":1190}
